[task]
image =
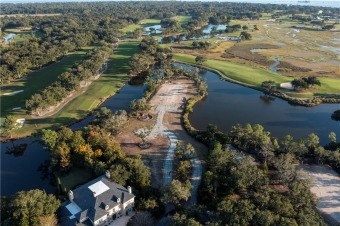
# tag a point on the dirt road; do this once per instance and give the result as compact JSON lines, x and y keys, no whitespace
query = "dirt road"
{"x":167,"y":104}
{"x":326,"y":187}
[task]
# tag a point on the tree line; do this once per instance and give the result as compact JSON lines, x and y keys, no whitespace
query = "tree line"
{"x":70,"y":81}
{"x":257,"y":183}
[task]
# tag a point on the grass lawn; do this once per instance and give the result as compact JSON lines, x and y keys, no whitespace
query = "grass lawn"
{"x":72,"y":179}
{"x":21,"y":34}
{"x":239,"y":72}
{"x":37,"y":81}
{"x":255,"y":76}
{"x":142,"y":24}
{"x":107,"y":85}
{"x":183,"y":20}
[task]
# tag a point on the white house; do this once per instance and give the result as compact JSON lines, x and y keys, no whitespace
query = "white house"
{"x":98,"y":202}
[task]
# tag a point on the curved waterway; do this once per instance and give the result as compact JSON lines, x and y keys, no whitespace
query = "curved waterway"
{"x":228,"y":103}
{"x":277,"y":63}
{"x":29,"y":170}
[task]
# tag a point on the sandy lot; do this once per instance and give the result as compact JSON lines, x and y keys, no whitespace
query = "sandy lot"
{"x":326,"y":187}
{"x":167,"y":107}
{"x":168,"y":104}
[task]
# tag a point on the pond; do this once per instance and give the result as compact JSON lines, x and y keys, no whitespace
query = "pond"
{"x":228,"y":103}
{"x":28,"y":169}
{"x":205,"y":33}
{"x":155,"y":29}
{"x":9,"y":37}
{"x":210,"y":27}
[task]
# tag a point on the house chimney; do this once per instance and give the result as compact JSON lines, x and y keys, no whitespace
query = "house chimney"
{"x":70,"y":195}
{"x":129,"y":189}
{"x":107,"y":174}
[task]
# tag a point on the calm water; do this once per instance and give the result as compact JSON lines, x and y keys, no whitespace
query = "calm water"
{"x":30,"y":170}
{"x":9,"y":37}
{"x":228,"y":103}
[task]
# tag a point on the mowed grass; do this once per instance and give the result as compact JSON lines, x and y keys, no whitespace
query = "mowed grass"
{"x":107,"y":85}
{"x":37,"y":81}
{"x":142,"y":24}
{"x":183,"y":20}
{"x":239,"y":72}
{"x":72,"y":179}
{"x":255,"y":76}
{"x":21,"y":34}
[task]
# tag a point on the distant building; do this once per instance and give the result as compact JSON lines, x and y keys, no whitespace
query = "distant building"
{"x":98,"y":202}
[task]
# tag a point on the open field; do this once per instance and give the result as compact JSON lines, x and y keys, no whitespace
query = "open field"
{"x":107,"y":85}
{"x":142,"y":24}
{"x":316,"y":50}
{"x":183,"y":20}
{"x":36,"y":81}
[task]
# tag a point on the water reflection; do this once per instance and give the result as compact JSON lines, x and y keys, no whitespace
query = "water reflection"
{"x":228,"y":103}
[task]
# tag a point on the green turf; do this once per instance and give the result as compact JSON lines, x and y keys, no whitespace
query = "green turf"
{"x":37,"y":81}
{"x":142,"y":24}
{"x":21,"y":35}
{"x":239,"y":72}
{"x":183,"y":20}
{"x":72,"y":179}
{"x":107,"y":85}
{"x":255,"y":76}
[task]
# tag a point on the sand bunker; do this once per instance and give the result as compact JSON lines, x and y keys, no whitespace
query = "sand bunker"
{"x":20,"y":122}
{"x":326,"y":187}
{"x":287,"y":85}
{"x":13,"y":93}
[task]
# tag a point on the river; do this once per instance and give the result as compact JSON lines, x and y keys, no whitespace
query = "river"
{"x":225,"y":105}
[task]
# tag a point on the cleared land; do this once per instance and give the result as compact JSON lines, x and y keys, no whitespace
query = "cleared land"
{"x":326,"y":187}
{"x":166,"y":111}
{"x":107,"y":85}
{"x":36,"y":81}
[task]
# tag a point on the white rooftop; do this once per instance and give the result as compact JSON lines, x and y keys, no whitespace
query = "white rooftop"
{"x":98,"y":188}
{"x":73,"y":208}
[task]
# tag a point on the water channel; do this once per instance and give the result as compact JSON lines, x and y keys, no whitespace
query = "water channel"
{"x":30,"y":170}
{"x":225,"y":105}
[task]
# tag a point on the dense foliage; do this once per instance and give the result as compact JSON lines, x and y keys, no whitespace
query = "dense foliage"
{"x":70,"y":81}
{"x":29,"y":208}
{"x":93,"y":148}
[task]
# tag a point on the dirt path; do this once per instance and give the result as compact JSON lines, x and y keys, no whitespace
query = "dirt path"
{"x":326,"y":186}
{"x":167,"y":104}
